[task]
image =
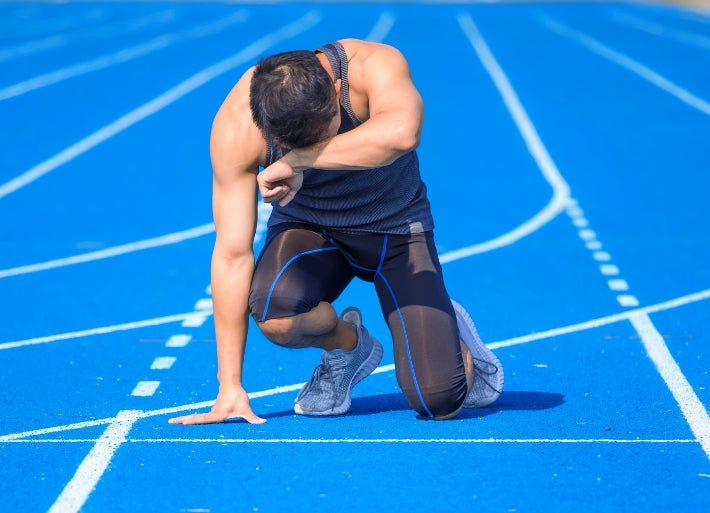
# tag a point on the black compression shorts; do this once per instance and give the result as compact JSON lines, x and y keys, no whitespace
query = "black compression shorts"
{"x":302,"y":265}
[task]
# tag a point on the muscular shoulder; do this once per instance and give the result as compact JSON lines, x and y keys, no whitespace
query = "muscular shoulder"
{"x":236,"y":144}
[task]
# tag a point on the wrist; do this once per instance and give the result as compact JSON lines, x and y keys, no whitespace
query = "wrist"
{"x":295,"y":159}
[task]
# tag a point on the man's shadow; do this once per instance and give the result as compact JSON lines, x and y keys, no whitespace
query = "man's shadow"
{"x":508,"y":401}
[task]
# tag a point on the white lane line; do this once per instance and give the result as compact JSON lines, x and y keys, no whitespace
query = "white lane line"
{"x":195,"y":320}
{"x":625,"y":62}
{"x":658,"y":29}
{"x":264,"y":211}
{"x":30,"y":27}
{"x":163,"y":240}
{"x":594,"y":245}
{"x":609,"y":269}
{"x":685,"y":396}
{"x":60,"y":40}
{"x":199,"y":79}
{"x":163,"y":362}
{"x":91,"y":469}
{"x":383,"y":26}
{"x":99,"y":331}
{"x":203,"y":304}
{"x":178,"y":341}
{"x":556,"y":332}
{"x":373,"y":440}
{"x":618,"y":285}
{"x":560,"y":189}
{"x":145,"y":388}
{"x":693,"y":410}
{"x":120,"y":57}
{"x":601,"y":256}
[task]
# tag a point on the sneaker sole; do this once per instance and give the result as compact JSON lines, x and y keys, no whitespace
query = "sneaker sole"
{"x":480,"y":351}
{"x":367,"y":367}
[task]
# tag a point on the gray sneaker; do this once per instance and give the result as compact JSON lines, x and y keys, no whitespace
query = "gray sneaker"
{"x":328,"y":391}
{"x":488,"y":374}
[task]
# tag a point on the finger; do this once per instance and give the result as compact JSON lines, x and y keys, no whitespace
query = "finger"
{"x":274,"y":194}
{"x":286,"y":199}
{"x":254,"y":419}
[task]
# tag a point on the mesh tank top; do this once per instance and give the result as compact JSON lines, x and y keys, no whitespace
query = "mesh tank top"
{"x":389,"y":199}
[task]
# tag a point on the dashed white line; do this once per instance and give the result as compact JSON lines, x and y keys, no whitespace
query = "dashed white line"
{"x":618,"y":285}
{"x":609,"y":269}
{"x":601,"y":256}
{"x":627,"y":300}
{"x":163,"y":363}
{"x":145,"y":388}
{"x":178,"y":341}
{"x":203,"y":304}
{"x":194,"y":320}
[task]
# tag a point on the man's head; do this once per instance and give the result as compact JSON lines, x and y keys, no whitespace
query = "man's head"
{"x":293,"y":99}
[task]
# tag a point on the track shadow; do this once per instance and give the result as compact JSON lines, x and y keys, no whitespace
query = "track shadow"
{"x":508,"y":401}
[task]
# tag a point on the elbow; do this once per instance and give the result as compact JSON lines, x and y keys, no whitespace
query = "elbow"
{"x":406,"y":137}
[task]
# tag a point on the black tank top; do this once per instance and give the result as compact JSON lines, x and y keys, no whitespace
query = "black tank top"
{"x":388,"y":199}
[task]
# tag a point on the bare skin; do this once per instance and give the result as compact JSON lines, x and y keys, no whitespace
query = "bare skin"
{"x":383,"y":96}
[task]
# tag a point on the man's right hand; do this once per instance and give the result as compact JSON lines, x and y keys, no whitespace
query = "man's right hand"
{"x":231,"y":403}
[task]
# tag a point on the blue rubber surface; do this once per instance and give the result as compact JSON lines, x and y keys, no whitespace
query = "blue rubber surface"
{"x":565,"y":150}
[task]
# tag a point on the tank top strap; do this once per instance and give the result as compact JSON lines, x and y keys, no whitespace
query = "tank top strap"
{"x":338,"y":59}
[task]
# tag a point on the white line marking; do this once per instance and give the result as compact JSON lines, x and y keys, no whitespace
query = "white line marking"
{"x":657,"y":29}
{"x":250,"y":52}
{"x":690,"y":405}
{"x":178,"y":341}
{"x":587,"y":234}
{"x":609,"y":269}
{"x":145,"y":388}
{"x":627,"y":300}
{"x":626,"y":62}
{"x":163,"y":240}
{"x":594,"y":244}
{"x":580,"y":222}
{"x":194,"y":320}
{"x":601,"y":256}
{"x":163,"y":362}
{"x":98,"y":331}
{"x":122,"y":56}
{"x":382,"y":27}
{"x":618,"y":284}
{"x":373,"y":440}
{"x":603,"y":321}
{"x":203,"y":304}
{"x":92,"y":468}
{"x":595,"y":323}
{"x":59,"y":40}
{"x":561,"y":194}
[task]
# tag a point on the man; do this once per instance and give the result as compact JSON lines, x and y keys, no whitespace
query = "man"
{"x":335,"y":131}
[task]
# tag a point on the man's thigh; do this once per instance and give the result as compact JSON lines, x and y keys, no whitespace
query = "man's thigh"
{"x":297,"y":269}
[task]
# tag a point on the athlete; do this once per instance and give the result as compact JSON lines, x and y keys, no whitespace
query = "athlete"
{"x":335,"y":131}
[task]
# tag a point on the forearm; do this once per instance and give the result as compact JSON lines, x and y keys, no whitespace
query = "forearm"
{"x":230,"y":292}
{"x":376,"y":143}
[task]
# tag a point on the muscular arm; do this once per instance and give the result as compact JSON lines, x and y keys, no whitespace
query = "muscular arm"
{"x":235,"y":149}
{"x":380,"y":76}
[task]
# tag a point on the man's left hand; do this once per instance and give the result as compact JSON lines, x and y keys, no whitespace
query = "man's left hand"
{"x":279,"y":182}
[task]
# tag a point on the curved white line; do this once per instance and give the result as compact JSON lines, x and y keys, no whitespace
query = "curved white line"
{"x":560,"y":190}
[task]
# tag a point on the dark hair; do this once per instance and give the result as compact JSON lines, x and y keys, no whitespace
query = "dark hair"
{"x":292,"y":98}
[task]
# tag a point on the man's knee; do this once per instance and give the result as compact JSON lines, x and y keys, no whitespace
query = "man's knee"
{"x":440,"y":402}
{"x":279,"y":331}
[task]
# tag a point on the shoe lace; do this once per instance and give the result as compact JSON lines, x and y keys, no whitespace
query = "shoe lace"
{"x":323,"y":373}
{"x":482,"y":369}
